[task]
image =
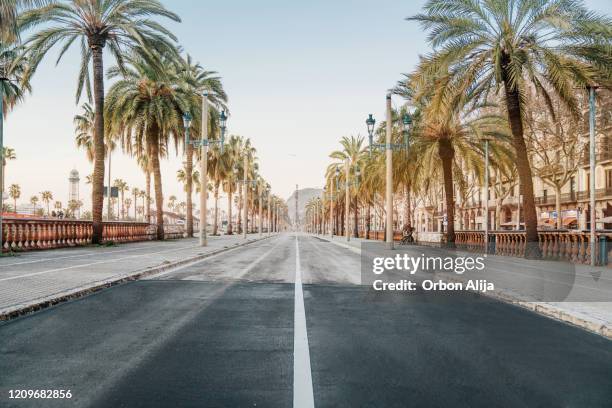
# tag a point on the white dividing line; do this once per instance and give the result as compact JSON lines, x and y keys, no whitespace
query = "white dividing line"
{"x":302,"y":376}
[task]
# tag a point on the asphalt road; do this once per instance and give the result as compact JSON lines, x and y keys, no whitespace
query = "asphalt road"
{"x":230,"y":332}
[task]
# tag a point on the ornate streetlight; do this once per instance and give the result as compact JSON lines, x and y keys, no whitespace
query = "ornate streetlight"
{"x":389,"y":147}
{"x":203,"y":144}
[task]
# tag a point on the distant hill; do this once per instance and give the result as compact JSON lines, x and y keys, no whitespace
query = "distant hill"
{"x":304,"y":195}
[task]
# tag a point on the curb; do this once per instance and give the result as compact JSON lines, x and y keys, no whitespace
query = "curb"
{"x":75,"y":293}
{"x":543,"y":309}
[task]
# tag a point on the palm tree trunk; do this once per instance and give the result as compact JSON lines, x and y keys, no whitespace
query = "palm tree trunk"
{"x":355,"y":219}
{"x":97,"y":195}
{"x":216,"y":220}
{"x":189,"y":188}
{"x":239,"y":221}
{"x":368,"y":221}
{"x":447,"y":154}
{"x":159,"y":196}
{"x":229,"y":212}
{"x":148,"y":197}
{"x":513,"y":106}
{"x":122,"y":205}
{"x":558,"y":207}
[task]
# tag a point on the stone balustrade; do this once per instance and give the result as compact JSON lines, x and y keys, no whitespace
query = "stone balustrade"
{"x":23,"y":234}
{"x":557,"y":245}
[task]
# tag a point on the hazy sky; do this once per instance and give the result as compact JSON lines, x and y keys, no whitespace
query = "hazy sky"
{"x":299,"y":75}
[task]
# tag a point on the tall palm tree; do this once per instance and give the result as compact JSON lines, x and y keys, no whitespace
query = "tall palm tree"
{"x":145,"y":165}
{"x":136,"y":194}
{"x":7,"y":154}
{"x":14,"y":66}
{"x":9,"y":17}
{"x":34,"y":202}
{"x":47,"y":196}
{"x":145,"y":108}
{"x":14,"y":193}
{"x":122,"y":186}
{"x":490,"y":45}
{"x":172,"y":202}
{"x":193,"y":76}
{"x":230,"y":184}
{"x":122,"y":25}
{"x":354,"y":152}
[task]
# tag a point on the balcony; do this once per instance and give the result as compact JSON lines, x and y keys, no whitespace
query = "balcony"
{"x":600,"y":193}
{"x":551,"y":199}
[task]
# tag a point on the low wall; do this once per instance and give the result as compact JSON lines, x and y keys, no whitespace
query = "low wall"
{"x":23,"y":234}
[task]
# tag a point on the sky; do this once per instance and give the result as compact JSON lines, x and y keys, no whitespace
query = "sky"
{"x":299,"y":75}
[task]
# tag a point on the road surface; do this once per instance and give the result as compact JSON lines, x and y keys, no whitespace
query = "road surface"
{"x":284,"y":322}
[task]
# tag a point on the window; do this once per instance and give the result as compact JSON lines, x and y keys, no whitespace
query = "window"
{"x":609,"y":178}
{"x":545,"y":194}
{"x":572,"y":185}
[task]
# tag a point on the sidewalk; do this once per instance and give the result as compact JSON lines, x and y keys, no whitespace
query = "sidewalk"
{"x":35,"y":280}
{"x":514,"y":283}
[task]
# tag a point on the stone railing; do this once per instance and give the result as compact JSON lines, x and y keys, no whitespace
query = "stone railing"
{"x":380,"y":235}
{"x":35,"y":234}
{"x":557,"y":245}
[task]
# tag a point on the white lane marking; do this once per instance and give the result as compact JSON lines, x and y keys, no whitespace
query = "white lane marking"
{"x":302,"y":376}
{"x":84,"y":265}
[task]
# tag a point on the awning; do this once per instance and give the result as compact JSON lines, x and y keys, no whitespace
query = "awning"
{"x":569,"y":221}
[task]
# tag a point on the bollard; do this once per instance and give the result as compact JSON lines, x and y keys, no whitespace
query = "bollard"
{"x":603,"y":250}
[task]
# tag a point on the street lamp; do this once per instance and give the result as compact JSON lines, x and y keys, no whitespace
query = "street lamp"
{"x":203,"y":144}
{"x":592,"y":163}
{"x":3,"y":80}
{"x":486,"y":141}
{"x":389,"y":147}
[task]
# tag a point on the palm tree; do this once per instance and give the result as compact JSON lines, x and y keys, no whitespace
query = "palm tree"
{"x":122,"y":186}
{"x":14,"y":193}
{"x":354,"y":152}
{"x":172,"y":202}
{"x":47,"y":196}
{"x":145,"y":165}
{"x":7,"y":154}
{"x":34,"y":202}
{"x":230,"y":184}
{"x":219,"y":168}
{"x":145,"y":108}
{"x":136,"y":194}
{"x":128,"y":204}
{"x":84,"y":126}
{"x":123,"y":25}
{"x":487,"y":45}
{"x":10,"y":11}
{"x":193,"y":76}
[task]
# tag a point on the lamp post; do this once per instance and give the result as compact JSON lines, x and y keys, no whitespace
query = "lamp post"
{"x":260,"y":199}
{"x":389,"y":147}
{"x":592,"y":163}
{"x":486,"y":141}
{"x":203,"y":144}
{"x":269,"y":210}
{"x":3,"y":79}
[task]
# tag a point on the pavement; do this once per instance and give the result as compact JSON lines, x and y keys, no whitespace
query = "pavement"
{"x":33,"y":280}
{"x":576,"y":294}
{"x":284,"y":322}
